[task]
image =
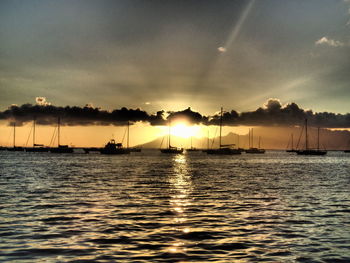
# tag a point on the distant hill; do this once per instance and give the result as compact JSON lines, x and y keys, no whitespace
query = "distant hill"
{"x":271,"y":138}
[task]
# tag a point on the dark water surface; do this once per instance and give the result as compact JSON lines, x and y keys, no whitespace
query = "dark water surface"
{"x":151,"y":207}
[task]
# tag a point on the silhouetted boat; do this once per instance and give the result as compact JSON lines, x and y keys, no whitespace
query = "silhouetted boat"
{"x":36,"y":147}
{"x":224,"y":149}
{"x":253,"y":149}
{"x":192,"y":149}
{"x":60,"y":148}
{"x":291,"y":150}
{"x":171,"y":149}
{"x":131,"y":149}
{"x":135,"y":149}
{"x":3,"y":148}
{"x":92,"y":149}
{"x":347,"y":151}
{"x":114,"y":148}
{"x":307,"y":150}
{"x":15,"y":148}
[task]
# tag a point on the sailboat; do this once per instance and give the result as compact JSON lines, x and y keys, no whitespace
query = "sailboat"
{"x":253,"y":149}
{"x":309,"y":151}
{"x":36,"y":147}
{"x":116,"y":148}
{"x":206,"y":150}
{"x":192,"y":149}
{"x":60,"y":148}
{"x":291,"y":150}
{"x":15,"y":148}
{"x":224,"y":149}
{"x":131,"y":149}
{"x":171,"y":149}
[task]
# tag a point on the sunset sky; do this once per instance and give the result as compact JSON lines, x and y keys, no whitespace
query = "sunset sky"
{"x":171,"y":55}
{"x":174,"y":54}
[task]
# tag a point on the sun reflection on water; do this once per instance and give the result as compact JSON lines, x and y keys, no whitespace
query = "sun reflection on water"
{"x":181,"y":184}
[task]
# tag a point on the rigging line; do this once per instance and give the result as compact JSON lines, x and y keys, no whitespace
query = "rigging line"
{"x":288,"y":143}
{"x":9,"y":138}
{"x":124,"y":135}
{"x":301,"y":134}
{"x":53,"y":137}
{"x":30,"y":133}
{"x":161,"y":143}
{"x":212,"y":143}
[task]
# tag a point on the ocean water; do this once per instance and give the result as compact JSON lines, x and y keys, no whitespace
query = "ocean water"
{"x":152,"y":207}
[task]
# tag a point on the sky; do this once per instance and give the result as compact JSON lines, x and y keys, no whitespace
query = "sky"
{"x":172,"y":55}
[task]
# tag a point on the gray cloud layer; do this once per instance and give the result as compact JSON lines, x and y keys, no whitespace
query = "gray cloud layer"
{"x":271,"y":114}
{"x":166,"y":52}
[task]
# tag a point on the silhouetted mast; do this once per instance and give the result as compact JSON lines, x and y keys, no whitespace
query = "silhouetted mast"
{"x":208,"y":140}
{"x":58,"y":131}
{"x":34,"y":132}
{"x":220,"y":128}
{"x":14,"y":134}
{"x":306,"y":139}
{"x":127,"y":142}
{"x":249,"y":138}
{"x":318,"y":138}
{"x":169,"y":134}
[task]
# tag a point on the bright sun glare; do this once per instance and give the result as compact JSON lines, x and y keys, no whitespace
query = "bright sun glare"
{"x":182,"y":130}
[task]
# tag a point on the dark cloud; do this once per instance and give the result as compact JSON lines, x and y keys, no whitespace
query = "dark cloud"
{"x":47,"y":115}
{"x":273,"y":113}
{"x":189,"y":115}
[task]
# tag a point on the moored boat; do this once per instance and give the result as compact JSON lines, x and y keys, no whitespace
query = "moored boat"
{"x":114,"y":148}
{"x":309,"y":151}
{"x":224,"y":149}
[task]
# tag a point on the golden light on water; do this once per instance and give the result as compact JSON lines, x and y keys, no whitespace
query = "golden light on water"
{"x":180,"y":200}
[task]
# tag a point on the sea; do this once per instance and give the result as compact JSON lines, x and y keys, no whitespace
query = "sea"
{"x":191,"y":207}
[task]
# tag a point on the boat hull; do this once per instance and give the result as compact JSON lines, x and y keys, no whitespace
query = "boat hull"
{"x":223,"y":151}
{"x":35,"y":149}
{"x":255,"y":151}
{"x":61,"y":150}
{"x":311,"y":152}
{"x":172,"y":151}
{"x":16,"y":149}
{"x":115,"y":151}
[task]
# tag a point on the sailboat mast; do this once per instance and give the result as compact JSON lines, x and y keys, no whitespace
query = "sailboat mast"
{"x":14,"y":134}
{"x":318,"y":138}
{"x":34,"y":132}
{"x":249,"y":138}
{"x":259,"y":141}
{"x":169,"y":134}
{"x":58,"y":131}
{"x":237,"y":140}
{"x":292,"y":142}
{"x":252,"y":139}
{"x":220,"y":128}
{"x":208,"y":140}
{"x":306,"y":139}
{"x":127,"y":142}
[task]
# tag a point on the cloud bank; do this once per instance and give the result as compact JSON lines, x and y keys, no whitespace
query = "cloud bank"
{"x":272,"y":113}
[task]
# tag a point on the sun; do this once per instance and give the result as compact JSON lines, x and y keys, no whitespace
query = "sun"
{"x":182,"y":130}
